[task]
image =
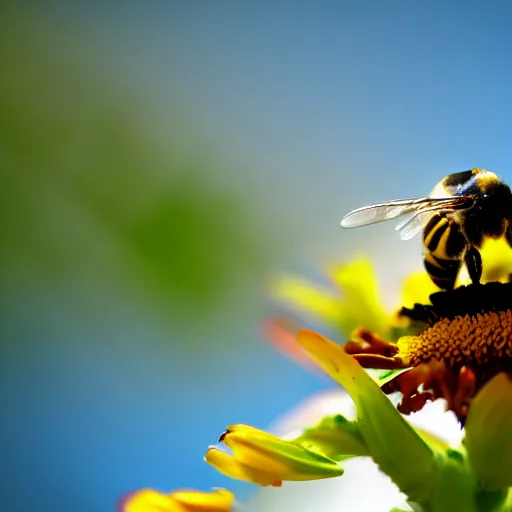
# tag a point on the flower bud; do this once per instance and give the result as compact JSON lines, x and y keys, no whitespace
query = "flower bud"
{"x":265,"y":459}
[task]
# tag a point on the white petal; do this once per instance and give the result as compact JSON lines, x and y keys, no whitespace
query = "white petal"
{"x":433,"y":418}
{"x":362,"y":488}
{"x":313,"y":409}
{"x":436,"y":420}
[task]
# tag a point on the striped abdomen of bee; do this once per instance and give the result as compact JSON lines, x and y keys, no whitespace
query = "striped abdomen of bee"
{"x":445,"y":248}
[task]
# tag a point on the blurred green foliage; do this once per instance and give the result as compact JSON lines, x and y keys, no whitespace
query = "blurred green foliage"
{"x":96,"y":192}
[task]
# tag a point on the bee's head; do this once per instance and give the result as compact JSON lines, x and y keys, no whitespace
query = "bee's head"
{"x":496,"y":198}
{"x":473,"y":182}
{"x":492,"y":205}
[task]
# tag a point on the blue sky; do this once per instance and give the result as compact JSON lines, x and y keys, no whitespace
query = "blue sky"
{"x":332,"y":104}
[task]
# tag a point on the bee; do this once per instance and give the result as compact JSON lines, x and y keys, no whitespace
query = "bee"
{"x":462,"y":210}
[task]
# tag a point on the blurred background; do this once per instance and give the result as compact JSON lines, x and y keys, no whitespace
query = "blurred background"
{"x":162,"y":162}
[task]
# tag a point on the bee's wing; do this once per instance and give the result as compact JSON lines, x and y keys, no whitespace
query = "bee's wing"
{"x":382,"y":211}
{"x":392,"y":209}
{"x":410,"y":227}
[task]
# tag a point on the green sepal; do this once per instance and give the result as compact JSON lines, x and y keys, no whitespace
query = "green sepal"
{"x":507,"y":505}
{"x":391,"y":441}
{"x":495,"y":501}
{"x":382,"y":377}
{"x":262,"y":458}
{"x":488,"y":439}
{"x":454,"y":487}
{"x":335,"y":437}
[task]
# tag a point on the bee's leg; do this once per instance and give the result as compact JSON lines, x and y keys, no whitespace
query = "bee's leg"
{"x":508,"y":234}
{"x":473,"y":261}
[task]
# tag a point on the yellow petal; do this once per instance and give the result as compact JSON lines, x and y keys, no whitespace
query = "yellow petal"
{"x":265,"y":459}
{"x":497,"y":260}
{"x":248,"y":445}
{"x":301,"y":294}
{"x":361,"y":305}
{"x":416,"y":289}
{"x":148,"y":500}
{"x":219,"y":500}
{"x":229,"y":466}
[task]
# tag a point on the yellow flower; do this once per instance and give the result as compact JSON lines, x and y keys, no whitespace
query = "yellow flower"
{"x":427,"y":470}
{"x":460,"y":349}
{"x":465,"y":341}
{"x":455,"y":345}
{"x":442,"y":340}
{"x":148,"y":500}
{"x":354,"y":301}
{"x":264,"y":459}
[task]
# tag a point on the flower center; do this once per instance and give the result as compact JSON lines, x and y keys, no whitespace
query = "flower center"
{"x":470,"y":326}
{"x":464,"y":340}
{"x":472,"y":340}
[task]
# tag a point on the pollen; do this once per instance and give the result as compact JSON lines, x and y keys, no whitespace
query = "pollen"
{"x":461,"y":340}
{"x":470,"y":340}
{"x":470,"y":326}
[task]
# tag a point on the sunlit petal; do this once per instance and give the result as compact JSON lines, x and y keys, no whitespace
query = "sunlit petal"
{"x":361,"y":304}
{"x":265,"y":459}
{"x":149,"y":500}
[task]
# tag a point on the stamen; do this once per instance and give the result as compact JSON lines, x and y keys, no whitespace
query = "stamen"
{"x":467,"y":340}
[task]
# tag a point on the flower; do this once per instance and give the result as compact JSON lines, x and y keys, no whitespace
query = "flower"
{"x":459,"y":348}
{"x":451,"y":345}
{"x":363,"y":487}
{"x":353,"y":301}
{"x":264,"y":459}
{"x":465,"y":342}
{"x":148,"y":500}
{"x":329,"y":305}
{"x":428,"y":471}
{"x":393,"y":444}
